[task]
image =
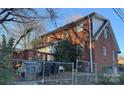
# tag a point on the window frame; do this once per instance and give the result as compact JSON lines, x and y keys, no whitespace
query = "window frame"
{"x":79,"y":27}
{"x":104,"y":51}
{"x":106,"y":33}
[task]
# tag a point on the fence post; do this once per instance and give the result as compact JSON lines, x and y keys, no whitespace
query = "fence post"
{"x":96,"y":75}
{"x":88,"y":73}
{"x":43,"y":73}
{"x":72,"y":73}
{"x":76,"y":71}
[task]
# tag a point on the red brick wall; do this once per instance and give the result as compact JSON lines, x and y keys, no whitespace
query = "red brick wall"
{"x":98,"y":56}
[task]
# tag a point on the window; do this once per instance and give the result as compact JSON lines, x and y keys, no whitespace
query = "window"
{"x":104,"y":51}
{"x":79,"y":27}
{"x":113,"y":56}
{"x":106,"y":33}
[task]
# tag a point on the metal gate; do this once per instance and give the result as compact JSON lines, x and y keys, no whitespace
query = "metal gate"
{"x":83,"y":75}
{"x":57,"y":73}
{"x":45,"y":73}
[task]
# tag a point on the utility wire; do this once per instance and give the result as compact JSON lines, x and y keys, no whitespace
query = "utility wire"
{"x":119,"y":13}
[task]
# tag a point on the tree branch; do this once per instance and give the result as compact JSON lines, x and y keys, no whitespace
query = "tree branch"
{"x":22,"y":36}
{"x":3,"y":11}
{"x":4,"y":18}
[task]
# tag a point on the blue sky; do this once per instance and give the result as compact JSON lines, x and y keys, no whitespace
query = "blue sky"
{"x":64,"y":14}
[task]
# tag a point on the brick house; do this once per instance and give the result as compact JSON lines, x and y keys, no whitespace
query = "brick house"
{"x":93,"y":33}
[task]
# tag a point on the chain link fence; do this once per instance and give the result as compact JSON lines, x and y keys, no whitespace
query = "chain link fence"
{"x":61,"y":73}
{"x":43,"y":73}
{"x":83,"y":75}
{"x":107,"y":74}
{"x":100,"y":73}
{"x":58,"y":73}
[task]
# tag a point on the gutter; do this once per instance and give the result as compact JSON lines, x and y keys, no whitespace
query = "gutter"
{"x":90,"y":43}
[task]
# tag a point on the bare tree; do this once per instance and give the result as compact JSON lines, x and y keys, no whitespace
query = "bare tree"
{"x":24,"y":34}
{"x":27,"y":20}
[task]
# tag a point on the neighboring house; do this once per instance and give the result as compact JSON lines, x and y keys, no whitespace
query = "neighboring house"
{"x":121,"y":60}
{"x":93,"y":33}
{"x":33,"y":54}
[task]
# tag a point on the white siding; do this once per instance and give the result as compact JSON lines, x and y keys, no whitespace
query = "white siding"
{"x":47,"y":49}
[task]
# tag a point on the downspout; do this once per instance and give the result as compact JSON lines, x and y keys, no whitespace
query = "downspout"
{"x":90,"y":45}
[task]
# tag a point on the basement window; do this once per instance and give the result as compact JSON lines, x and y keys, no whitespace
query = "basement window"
{"x":104,"y":51}
{"x":79,"y":27}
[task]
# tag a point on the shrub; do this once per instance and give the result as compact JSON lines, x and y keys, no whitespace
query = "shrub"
{"x":121,"y":78}
{"x":5,"y":66}
{"x":105,"y":81}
